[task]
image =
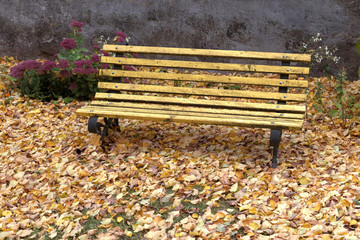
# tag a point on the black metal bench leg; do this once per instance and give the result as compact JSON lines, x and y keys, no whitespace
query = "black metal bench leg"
{"x":94,"y":126}
{"x":275,"y":139}
{"x":101,"y":129}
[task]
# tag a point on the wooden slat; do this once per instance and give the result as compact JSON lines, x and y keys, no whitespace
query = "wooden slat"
{"x":260,"y":122}
{"x":205,"y":78}
{"x":206,"y":65}
{"x":202,"y":91}
{"x":201,"y":102}
{"x":209,"y":53}
{"x":198,"y":110}
{"x":92,"y":108}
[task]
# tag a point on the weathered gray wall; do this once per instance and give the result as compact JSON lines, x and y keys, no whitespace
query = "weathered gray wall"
{"x":31,"y":28}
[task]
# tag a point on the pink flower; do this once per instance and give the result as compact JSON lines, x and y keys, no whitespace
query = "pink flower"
{"x":96,"y":47}
{"x":63,"y":63}
{"x":65,"y":73}
{"x":105,"y":66}
{"x":83,"y":63}
{"x":121,"y":34}
{"x":77,"y":25}
{"x":68,"y":43}
{"x":105,"y":53}
{"x":30,"y":65}
{"x":95,"y":58}
{"x":130,"y":68}
{"x":84,"y":67}
{"x":120,"y":39}
{"x":46,"y":67}
{"x":19,"y":70}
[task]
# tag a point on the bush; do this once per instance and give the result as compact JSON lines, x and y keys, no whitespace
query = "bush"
{"x":343,"y":106}
{"x":39,"y":80}
{"x":74,"y":74}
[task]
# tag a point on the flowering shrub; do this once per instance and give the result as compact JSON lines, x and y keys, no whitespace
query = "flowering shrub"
{"x":343,"y":106}
{"x":74,"y":74}
{"x":40,"y":80}
{"x":321,"y":54}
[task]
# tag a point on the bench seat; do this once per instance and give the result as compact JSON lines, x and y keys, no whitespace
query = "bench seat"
{"x":184,"y":89}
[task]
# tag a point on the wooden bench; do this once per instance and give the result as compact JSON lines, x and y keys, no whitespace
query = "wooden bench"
{"x":220,"y":89}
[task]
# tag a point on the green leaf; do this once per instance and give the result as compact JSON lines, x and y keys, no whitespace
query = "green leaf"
{"x":83,"y":49}
{"x":68,"y":100}
{"x":357,"y":105}
{"x":333,"y":112}
{"x":337,"y":104}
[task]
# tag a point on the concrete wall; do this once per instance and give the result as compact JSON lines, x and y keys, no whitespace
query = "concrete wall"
{"x":33,"y":28}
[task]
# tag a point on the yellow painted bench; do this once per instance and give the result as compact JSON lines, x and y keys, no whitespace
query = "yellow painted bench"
{"x":202,"y":86}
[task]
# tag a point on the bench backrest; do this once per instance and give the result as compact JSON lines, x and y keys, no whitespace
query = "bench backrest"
{"x":192,"y":77}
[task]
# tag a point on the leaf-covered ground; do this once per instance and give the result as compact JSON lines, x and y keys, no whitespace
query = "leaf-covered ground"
{"x":172,"y":181}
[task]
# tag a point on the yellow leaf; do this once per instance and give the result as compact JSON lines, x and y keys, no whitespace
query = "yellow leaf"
{"x":128,"y":233}
{"x":345,"y":203}
{"x":119,"y":219}
{"x":50,"y":144}
{"x":2,"y":86}
{"x":61,"y":136}
{"x":59,"y":222}
{"x":272,"y":204}
{"x":304,"y":181}
{"x":196,"y":233}
{"x":35,"y":111}
{"x":178,"y":234}
{"x":234,"y":188}
{"x":6,"y":213}
{"x":317,"y":207}
{"x":195,"y":215}
{"x":353,"y":222}
{"x":105,"y":226}
{"x":166,"y":173}
{"x":220,"y":214}
{"x":325,"y":237}
{"x":253,"y":210}
{"x":254,"y":225}
{"x":245,"y":207}
{"x":84,"y":173}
